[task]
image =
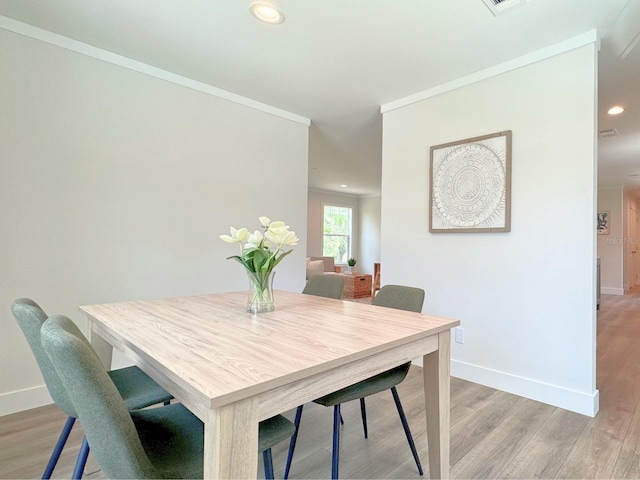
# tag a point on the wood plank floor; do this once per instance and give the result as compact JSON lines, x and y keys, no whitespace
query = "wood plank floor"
{"x":493,"y":434}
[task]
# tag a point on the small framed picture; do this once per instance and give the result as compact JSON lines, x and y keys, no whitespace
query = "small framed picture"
{"x":602,"y":223}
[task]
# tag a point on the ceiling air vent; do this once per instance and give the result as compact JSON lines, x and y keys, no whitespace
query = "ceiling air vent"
{"x":498,"y":7}
{"x":608,"y":133}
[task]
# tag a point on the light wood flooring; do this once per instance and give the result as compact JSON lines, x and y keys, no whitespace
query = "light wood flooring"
{"x":493,"y":434}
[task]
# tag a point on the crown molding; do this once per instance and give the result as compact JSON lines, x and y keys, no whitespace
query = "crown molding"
{"x":542,"y":54}
{"x":98,"y":53}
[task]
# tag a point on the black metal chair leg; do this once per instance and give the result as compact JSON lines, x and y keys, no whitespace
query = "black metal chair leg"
{"x":363,"y":411}
{"x":55,"y":455}
{"x":268,"y":464}
{"x":81,"y":461}
{"x":407,"y":431}
{"x":335,"y":457}
{"x":292,"y":442}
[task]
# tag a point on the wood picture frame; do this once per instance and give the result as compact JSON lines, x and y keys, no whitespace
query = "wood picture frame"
{"x":470,"y":185}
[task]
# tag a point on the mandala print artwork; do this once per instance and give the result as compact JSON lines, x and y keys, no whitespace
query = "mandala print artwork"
{"x":470,"y":185}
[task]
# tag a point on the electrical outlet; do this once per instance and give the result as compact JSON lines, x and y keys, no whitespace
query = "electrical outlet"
{"x":459,"y":334}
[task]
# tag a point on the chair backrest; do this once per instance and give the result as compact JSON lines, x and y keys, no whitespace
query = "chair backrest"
{"x":400,"y":297}
{"x":329,"y":286}
{"x":104,"y":416}
{"x":30,"y":318}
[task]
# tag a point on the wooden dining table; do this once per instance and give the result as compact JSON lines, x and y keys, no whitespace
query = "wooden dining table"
{"x":233,"y":369}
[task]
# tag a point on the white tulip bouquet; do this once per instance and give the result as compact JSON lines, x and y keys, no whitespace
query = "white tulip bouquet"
{"x":259,"y":255}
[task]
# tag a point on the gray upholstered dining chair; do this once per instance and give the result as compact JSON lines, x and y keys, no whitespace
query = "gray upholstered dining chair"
{"x":330,"y":286}
{"x":391,"y":296}
{"x":165,"y":442}
{"x":135,"y":387}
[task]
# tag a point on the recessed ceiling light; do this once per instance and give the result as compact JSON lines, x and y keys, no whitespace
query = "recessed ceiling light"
{"x":266,"y":12}
{"x":343,"y":186}
{"x":615,"y":110}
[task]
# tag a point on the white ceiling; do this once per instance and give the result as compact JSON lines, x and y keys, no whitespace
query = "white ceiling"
{"x":337,"y":61}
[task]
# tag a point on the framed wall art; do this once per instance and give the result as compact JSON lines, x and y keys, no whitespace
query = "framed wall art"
{"x":470,"y":185}
{"x":602,"y":223}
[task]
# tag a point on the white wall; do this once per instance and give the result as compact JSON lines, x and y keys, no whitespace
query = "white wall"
{"x":611,"y":246}
{"x":369,"y":233}
{"x":316,"y":200}
{"x":526,"y":299}
{"x":115,"y":185}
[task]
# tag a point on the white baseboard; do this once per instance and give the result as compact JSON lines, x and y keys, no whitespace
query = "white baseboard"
{"x":13,"y":402}
{"x":583,"y":403}
{"x":578,"y":402}
{"x":611,"y":291}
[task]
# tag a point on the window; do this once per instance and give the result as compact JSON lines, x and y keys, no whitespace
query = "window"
{"x":337,"y":233}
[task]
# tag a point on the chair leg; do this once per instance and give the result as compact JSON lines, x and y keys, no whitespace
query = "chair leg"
{"x":335,"y":457}
{"x":363,"y":411}
{"x":292,"y":442}
{"x":405,"y":425}
{"x":268,"y":464}
{"x":81,"y":461}
{"x":57,"y":450}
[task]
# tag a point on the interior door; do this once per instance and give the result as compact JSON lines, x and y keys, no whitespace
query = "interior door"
{"x":635,"y":253}
{"x":633,"y":248}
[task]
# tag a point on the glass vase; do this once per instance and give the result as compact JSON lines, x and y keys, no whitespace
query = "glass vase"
{"x":260,"y":292}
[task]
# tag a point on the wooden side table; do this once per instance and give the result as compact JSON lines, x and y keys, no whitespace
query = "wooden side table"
{"x":357,"y":285}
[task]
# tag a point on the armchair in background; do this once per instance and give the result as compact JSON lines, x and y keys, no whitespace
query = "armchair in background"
{"x":320,"y":266}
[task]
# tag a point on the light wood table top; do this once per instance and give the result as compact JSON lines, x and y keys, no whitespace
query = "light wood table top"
{"x":233,"y":369}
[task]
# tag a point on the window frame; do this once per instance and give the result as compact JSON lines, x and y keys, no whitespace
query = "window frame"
{"x":349,"y":236}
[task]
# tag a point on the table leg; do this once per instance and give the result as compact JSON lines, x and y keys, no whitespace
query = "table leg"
{"x":231,"y":441}
{"x":436,"y":373}
{"x":103,"y":348}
